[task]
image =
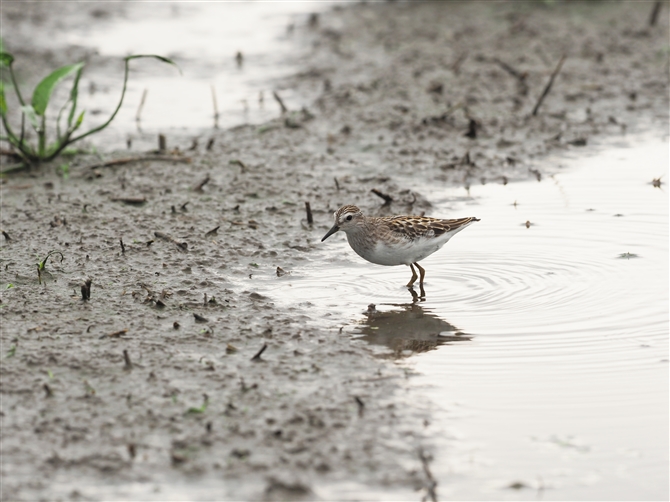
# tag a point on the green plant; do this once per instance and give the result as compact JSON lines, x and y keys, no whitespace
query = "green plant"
{"x":42,"y":265}
{"x":35,"y":111}
{"x":201,"y":409}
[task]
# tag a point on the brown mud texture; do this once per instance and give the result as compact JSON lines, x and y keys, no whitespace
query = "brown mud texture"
{"x":179,"y":376}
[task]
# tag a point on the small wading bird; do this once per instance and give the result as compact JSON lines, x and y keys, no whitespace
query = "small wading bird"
{"x":395,"y":240}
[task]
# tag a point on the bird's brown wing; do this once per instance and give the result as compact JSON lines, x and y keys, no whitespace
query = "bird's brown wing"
{"x":413,"y":227}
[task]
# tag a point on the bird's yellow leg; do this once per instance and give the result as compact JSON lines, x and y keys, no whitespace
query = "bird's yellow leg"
{"x":422,"y":271}
{"x":414,"y":276}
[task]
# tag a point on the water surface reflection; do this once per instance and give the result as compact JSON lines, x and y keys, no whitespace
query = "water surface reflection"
{"x":407,"y":329}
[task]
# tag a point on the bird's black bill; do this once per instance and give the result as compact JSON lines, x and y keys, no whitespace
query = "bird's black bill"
{"x":330,"y":232}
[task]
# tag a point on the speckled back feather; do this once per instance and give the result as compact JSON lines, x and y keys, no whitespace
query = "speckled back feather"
{"x":414,"y":227}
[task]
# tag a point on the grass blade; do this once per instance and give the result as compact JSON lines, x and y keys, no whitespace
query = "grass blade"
{"x":6,"y":59}
{"x":155,"y":56}
{"x":11,"y":138}
{"x":73,"y":97}
{"x":3,"y":103}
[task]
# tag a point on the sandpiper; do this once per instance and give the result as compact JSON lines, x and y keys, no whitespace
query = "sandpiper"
{"x":396,"y":240}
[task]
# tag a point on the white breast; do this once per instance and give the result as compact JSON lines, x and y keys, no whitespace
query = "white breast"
{"x":401,"y":253}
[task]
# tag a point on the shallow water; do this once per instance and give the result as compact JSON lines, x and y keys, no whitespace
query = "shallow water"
{"x":203,"y":38}
{"x":544,"y":348}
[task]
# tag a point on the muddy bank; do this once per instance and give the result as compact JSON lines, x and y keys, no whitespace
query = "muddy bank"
{"x":156,"y":387}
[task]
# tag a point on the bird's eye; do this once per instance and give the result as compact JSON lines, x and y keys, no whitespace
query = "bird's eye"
{"x":349,"y":218}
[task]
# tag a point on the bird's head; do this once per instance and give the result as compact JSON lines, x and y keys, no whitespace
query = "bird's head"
{"x":346,"y":219}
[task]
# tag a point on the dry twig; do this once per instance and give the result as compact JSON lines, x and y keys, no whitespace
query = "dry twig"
{"x":549,"y":84}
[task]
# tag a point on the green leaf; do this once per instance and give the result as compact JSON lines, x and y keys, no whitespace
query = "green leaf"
{"x":73,"y":97}
{"x":201,"y":409}
{"x":6,"y":59}
{"x":42,"y":265}
{"x":29,"y":112}
{"x":80,"y":119}
{"x":3,"y":103}
{"x":43,"y":91}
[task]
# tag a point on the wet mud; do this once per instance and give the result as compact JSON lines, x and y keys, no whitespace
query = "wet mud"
{"x":177,"y":375}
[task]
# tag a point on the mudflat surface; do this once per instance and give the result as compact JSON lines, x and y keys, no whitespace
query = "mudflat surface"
{"x":441,"y":92}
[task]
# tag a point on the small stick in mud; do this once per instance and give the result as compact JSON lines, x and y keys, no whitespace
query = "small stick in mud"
{"x":237,"y":162}
{"x":654,"y":13}
{"x":39,"y":273}
{"x":520,"y":76}
{"x":162,"y":143}
{"x":86,"y":290}
{"x":133,"y":201}
{"x":257,"y":357}
{"x":210,"y":144}
{"x":182,"y":245}
{"x":337,"y":184}
{"x":48,"y":390}
{"x":549,"y":84}
{"x":239,"y":59}
{"x":212,"y":231}
{"x":515,"y":73}
{"x":456,"y":65}
{"x":198,"y":187}
{"x":115,"y":334}
{"x":432,"y":484}
{"x":310,"y":219}
{"x":6,"y":235}
{"x":216,"y":107}
{"x":138,"y":115}
{"x":281,"y":103}
{"x":361,"y":406}
{"x":123,"y":246}
{"x":472,"y":129}
{"x":128,"y":364}
{"x":183,"y":206}
{"x":387,"y":198}
{"x":199,"y":318}
{"x":9,"y":153}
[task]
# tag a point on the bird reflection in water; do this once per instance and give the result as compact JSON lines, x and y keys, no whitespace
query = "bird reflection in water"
{"x":407,"y":329}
